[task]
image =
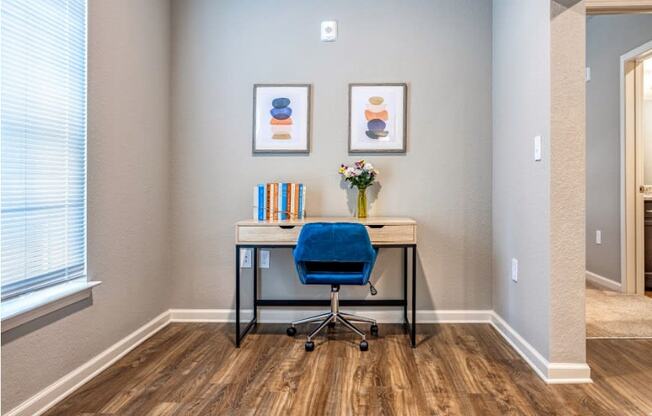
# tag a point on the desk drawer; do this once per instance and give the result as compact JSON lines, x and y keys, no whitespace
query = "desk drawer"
{"x":269,"y":234}
{"x":392,"y":233}
{"x":283,"y":234}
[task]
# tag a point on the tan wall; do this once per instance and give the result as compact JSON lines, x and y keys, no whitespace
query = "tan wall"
{"x":567,"y":182}
{"x":441,"y":49}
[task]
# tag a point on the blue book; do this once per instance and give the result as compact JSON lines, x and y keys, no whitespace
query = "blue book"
{"x":261,"y":202}
{"x":284,"y":201}
{"x":300,"y":212}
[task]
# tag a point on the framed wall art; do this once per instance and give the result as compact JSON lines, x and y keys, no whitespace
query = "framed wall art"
{"x":281,"y":121}
{"x":377,"y":118}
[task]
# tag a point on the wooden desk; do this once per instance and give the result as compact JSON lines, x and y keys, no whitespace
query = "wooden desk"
{"x":382,"y":230}
{"x":385,"y":232}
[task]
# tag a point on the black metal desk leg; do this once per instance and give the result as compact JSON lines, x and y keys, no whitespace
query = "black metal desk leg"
{"x":405,"y":285}
{"x":413,"y":327}
{"x":237,"y":296}
{"x":255,"y":267}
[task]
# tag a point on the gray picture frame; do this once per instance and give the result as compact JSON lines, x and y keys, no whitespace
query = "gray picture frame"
{"x":254,"y":150}
{"x":403,"y":148}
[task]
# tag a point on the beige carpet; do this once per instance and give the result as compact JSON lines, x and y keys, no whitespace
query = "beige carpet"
{"x":615,"y":315}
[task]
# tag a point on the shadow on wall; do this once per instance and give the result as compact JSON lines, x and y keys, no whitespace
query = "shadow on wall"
{"x":38,"y":323}
{"x":352,"y":195}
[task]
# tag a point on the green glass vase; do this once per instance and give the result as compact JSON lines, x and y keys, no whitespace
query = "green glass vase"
{"x":362,"y":203}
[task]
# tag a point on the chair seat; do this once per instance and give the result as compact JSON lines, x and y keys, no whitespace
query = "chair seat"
{"x":324,"y":278}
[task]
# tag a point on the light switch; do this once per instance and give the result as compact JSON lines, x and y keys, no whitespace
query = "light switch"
{"x":329,"y":31}
{"x":598,"y":237}
{"x":245,"y":258}
{"x":264,"y":259}
{"x":537,"y":148}
{"x":515,"y":270}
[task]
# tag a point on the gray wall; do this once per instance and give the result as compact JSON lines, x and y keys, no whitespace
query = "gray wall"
{"x":538,"y":207}
{"x":441,"y":49}
{"x":521,"y":187}
{"x":608,"y":37}
{"x":127,"y":200}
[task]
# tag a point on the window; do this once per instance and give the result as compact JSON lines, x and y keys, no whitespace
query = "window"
{"x":43,"y":143}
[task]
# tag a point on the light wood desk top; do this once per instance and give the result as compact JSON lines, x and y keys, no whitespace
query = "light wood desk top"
{"x":382,"y":230}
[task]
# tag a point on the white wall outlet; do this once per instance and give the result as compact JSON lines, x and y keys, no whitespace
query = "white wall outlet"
{"x":537,"y":148}
{"x":245,"y":258}
{"x":264,"y":259}
{"x":515,"y":270}
{"x":329,"y":31}
{"x":598,"y":237}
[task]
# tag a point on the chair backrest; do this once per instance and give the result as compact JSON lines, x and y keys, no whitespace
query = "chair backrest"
{"x":334,"y":242}
{"x":336,"y":249}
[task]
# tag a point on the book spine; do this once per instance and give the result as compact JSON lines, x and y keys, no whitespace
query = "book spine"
{"x":284,"y":201}
{"x":279,"y":198}
{"x":264,"y":186}
{"x":300,"y":208}
{"x":293,"y":200}
{"x":254,"y":203}
{"x":268,"y":206}
{"x":303,"y":205}
{"x":275,"y":201}
{"x":297,"y":187}
{"x":261,"y":202}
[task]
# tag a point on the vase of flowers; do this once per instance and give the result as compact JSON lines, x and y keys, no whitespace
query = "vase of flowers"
{"x":361,"y":175}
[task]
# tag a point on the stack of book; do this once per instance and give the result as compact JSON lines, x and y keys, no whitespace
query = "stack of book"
{"x":279,"y":201}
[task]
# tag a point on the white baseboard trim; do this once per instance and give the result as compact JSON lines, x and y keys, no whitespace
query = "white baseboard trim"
{"x":285,"y":315}
{"x":203,"y":315}
{"x":60,"y":389}
{"x":553,"y":373}
{"x":603,"y":281}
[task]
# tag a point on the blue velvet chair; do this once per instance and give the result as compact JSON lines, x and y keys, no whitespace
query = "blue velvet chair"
{"x":334,"y":254}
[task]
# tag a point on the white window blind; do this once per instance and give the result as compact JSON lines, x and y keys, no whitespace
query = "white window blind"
{"x":43,"y":143}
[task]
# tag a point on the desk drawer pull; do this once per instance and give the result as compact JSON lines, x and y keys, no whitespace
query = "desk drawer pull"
{"x":376,"y":225}
{"x":287,"y":227}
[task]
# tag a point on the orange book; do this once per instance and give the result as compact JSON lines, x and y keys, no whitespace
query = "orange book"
{"x":275,"y":201}
{"x":268,"y":190}
{"x":295,"y":211}
{"x":289,"y":200}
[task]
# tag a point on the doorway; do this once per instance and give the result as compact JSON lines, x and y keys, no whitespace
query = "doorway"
{"x":636,"y":142}
{"x":619,"y":176}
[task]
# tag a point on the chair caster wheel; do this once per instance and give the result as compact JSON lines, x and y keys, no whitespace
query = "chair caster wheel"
{"x":374,"y":330}
{"x":364,"y":346}
{"x":331,"y":324}
{"x":291,"y":331}
{"x":310,"y":345}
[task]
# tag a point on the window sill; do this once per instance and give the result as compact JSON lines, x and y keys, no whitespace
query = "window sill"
{"x":30,"y":306}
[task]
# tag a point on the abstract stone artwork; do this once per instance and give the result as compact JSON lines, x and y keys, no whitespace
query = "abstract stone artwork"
{"x":376,"y":114}
{"x":281,"y":122}
{"x":377,"y":118}
{"x":281,"y":118}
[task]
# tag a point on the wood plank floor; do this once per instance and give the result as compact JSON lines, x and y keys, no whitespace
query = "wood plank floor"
{"x":458,"y":369}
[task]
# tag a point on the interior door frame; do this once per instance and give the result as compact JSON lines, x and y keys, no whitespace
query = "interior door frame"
{"x":618,"y":6}
{"x":632,"y":171}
